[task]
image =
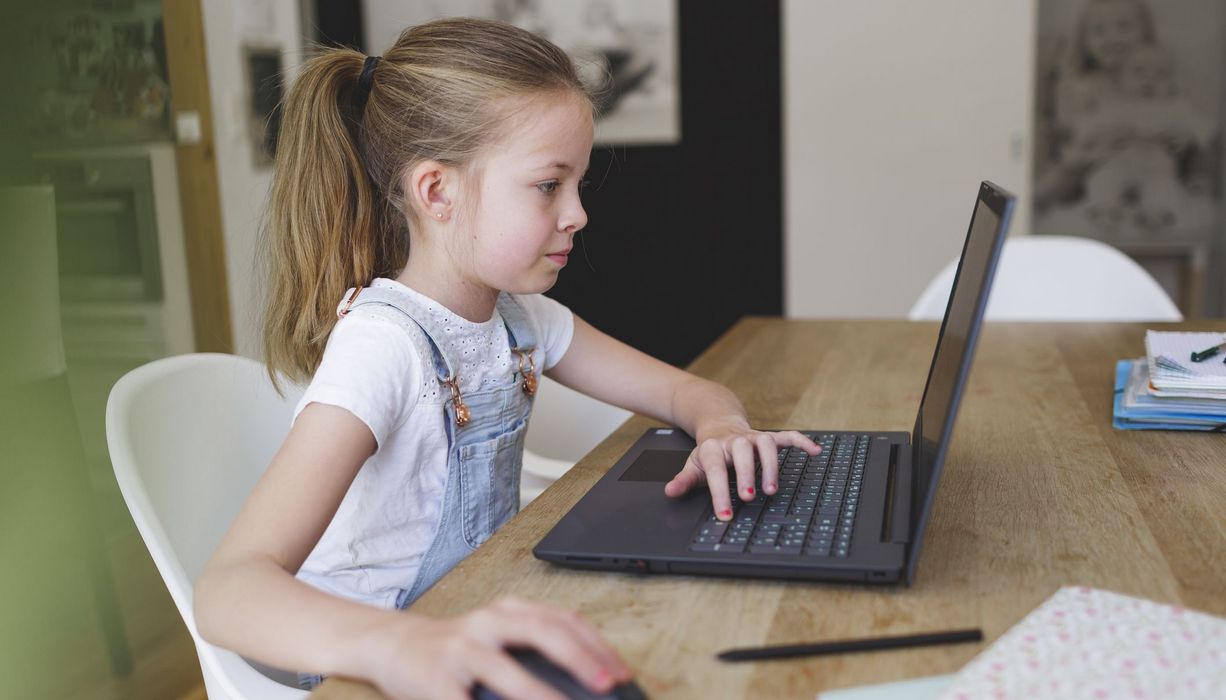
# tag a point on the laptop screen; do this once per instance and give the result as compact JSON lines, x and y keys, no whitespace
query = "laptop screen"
{"x":951,"y":361}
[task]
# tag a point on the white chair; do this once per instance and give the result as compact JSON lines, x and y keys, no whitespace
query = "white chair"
{"x":188,"y":437}
{"x":565,"y":426}
{"x":1059,"y":278}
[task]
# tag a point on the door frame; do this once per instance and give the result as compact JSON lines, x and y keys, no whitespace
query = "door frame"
{"x":204,"y":237}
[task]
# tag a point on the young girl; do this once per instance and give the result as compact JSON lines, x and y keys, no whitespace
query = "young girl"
{"x":421,"y":204}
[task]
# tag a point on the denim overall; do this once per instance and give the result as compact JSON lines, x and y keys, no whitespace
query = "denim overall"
{"x":484,"y":454}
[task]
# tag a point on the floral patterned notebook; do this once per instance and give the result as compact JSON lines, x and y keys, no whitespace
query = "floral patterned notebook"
{"x":1089,"y":643}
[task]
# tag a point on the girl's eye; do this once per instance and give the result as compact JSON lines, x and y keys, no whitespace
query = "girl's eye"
{"x":547,"y":187}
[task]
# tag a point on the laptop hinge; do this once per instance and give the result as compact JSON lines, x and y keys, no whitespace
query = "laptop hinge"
{"x":897,"y":526}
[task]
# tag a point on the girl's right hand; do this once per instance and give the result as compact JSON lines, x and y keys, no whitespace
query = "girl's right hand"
{"x":445,"y":658}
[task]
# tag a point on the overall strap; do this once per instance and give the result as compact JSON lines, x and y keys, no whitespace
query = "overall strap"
{"x":374,"y":296}
{"x":520,"y":330}
{"x":522,"y":337}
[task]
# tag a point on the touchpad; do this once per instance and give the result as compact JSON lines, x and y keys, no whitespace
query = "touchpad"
{"x":656,"y":465}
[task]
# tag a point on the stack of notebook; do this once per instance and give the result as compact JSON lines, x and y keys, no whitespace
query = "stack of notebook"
{"x":1179,"y":385}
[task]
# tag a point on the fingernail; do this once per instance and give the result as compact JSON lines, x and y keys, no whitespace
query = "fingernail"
{"x":603,"y":678}
{"x":772,"y":486}
{"x":749,"y":490}
{"x":725,"y":513}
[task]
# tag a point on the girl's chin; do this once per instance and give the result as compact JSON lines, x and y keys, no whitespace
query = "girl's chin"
{"x":537,"y":285}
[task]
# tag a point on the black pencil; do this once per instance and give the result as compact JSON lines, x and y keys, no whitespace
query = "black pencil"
{"x":849,"y":645}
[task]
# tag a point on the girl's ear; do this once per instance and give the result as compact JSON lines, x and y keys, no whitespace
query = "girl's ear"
{"x":428,"y":186}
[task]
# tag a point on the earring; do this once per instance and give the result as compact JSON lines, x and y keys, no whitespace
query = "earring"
{"x":439,"y":215}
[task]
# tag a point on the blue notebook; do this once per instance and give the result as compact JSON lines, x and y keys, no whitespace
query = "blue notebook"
{"x":1136,"y":408}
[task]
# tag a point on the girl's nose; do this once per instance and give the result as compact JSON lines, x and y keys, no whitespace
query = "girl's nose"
{"x":573,"y":219}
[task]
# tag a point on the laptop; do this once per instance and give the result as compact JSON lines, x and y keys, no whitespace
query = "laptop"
{"x":855,"y":512}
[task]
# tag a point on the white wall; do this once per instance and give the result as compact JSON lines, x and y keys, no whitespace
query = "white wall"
{"x":229,"y":25}
{"x":894,"y":110}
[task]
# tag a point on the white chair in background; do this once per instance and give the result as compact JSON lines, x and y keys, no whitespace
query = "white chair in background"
{"x":1059,"y":278}
{"x":189,"y":437}
{"x":565,"y":426}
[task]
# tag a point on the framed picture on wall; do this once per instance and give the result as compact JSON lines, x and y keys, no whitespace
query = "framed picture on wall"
{"x":1129,"y":122}
{"x":627,"y":49}
{"x":264,"y":89}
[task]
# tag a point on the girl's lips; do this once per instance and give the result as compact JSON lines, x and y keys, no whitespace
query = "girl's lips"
{"x":559,"y":257}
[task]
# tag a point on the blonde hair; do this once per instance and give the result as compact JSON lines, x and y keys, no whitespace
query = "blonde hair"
{"x":337,"y":215}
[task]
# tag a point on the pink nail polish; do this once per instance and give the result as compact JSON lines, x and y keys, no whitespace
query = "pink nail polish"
{"x":603,"y":678}
{"x":726,"y":513}
{"x":749,"y":490}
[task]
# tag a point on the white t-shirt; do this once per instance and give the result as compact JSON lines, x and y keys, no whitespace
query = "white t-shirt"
{"x":381,"y":370}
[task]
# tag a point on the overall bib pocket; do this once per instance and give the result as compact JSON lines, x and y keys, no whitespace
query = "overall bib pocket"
{"x":489,"y":483}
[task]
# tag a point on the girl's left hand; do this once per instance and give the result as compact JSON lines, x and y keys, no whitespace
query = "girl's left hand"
{"x":735,"y":444}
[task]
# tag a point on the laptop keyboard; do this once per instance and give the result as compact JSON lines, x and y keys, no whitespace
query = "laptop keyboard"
{"x":813,"y":512}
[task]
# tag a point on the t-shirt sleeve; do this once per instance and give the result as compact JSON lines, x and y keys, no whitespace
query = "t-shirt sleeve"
{"x":371,"y":368}
{"x":554,"y":322}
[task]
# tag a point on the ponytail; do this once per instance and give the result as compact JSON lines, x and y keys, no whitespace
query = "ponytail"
{"x":327,"y":230}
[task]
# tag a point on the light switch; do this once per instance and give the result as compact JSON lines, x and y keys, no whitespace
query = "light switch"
{"x":187,"y":128}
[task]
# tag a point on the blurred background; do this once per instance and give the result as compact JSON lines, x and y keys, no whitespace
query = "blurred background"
{"x":805,"y":158}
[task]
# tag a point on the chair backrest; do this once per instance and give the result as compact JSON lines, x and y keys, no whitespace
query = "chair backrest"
{"x":189,"y":436}
{"x":567,"y":424}
{"x":1059,"y":278}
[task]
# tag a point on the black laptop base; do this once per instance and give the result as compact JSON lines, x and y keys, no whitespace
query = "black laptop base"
{"x":835,"y":517}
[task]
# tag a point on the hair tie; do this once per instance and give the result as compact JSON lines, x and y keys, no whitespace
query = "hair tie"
{"x":366,"y":81}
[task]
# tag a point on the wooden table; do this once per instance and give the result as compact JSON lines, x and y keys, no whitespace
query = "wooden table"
{"x":1039,"y":492}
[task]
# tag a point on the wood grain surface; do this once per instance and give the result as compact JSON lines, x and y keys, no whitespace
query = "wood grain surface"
{"x":1039,"y":492}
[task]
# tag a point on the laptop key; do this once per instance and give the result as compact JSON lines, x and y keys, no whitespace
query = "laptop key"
{"x":774,"y":549}
{"x":784,"y":519}
{"x":719,"y":547}
{"x":748,"y":513}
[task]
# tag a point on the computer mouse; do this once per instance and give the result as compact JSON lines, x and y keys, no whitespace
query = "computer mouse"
{"x":561,"y":680}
